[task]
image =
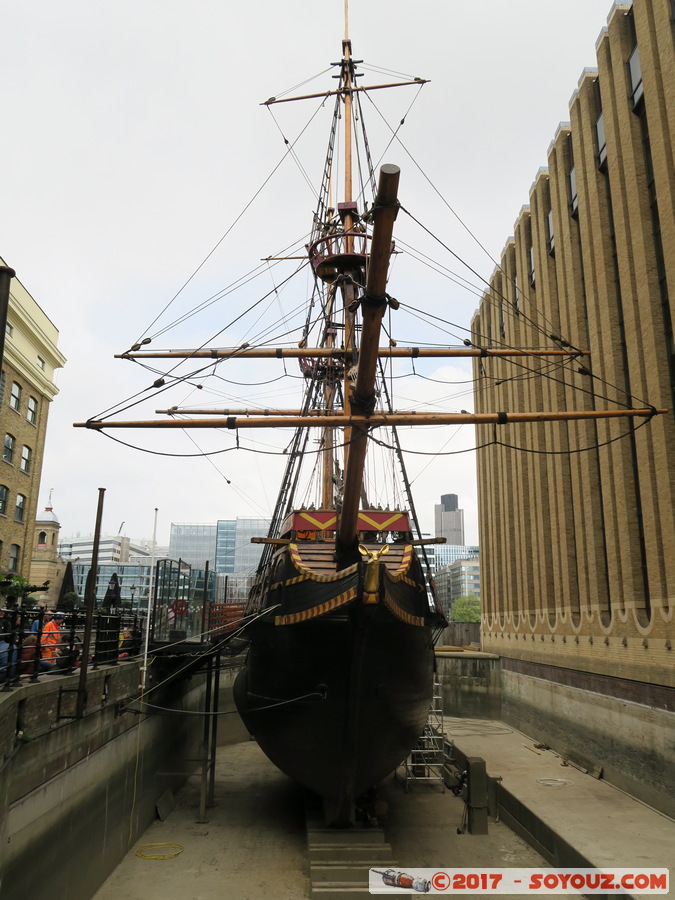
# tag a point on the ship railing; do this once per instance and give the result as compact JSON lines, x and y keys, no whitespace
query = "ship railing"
{"x":337,"y":252}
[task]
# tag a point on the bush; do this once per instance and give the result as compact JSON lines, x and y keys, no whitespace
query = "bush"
{"x":70,"y":601}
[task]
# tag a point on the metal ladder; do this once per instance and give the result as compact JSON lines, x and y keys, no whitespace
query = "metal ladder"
{"x":427,"y":758}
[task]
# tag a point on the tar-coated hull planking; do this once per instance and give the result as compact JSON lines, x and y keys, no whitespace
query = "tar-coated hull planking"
{"x":362,"y":660}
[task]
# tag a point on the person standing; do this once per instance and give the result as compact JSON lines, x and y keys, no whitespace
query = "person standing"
{"x":35,"y":627}
{"x":51,"y":639}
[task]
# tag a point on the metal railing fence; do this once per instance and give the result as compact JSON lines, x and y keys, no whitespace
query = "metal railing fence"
{"x":35,"y":642}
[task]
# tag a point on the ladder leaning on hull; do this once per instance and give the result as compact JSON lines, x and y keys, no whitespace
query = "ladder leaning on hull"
{"x":426,"y":760}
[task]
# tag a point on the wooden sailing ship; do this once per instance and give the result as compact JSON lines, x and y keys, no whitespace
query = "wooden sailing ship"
{"x":338,"y":678}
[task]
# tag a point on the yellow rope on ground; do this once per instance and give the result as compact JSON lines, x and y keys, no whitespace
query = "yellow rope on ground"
{"x":142,"y":851}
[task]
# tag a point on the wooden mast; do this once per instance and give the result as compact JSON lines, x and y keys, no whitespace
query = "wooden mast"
{"x":328,"y":436}
{"x":347,"y":215}
{"x":373,"y":306}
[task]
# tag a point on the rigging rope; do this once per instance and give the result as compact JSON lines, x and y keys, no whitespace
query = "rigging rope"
{"x":227,"y":232}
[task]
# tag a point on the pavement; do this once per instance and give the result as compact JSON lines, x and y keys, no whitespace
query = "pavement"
{"x":254,"y":845}
{"x":581,"y":816}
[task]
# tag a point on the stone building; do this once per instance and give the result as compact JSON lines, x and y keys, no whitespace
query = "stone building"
{"x":577,"y":531}
{"x":46,"y":564}
{"x":31,"y":357}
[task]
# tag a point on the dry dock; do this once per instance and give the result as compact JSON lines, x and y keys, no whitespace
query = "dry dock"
{"x":254,"y":845}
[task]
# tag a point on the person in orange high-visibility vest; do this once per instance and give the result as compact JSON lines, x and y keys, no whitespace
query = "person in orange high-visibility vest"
{"x":51,"y":638}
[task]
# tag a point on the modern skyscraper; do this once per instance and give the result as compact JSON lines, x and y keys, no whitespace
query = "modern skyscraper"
{"x":226,"y":545}
{"x":193,"y":543}
{"x":449,"y":519}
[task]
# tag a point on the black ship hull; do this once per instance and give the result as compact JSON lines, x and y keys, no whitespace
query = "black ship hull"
{"x":337,"y":701}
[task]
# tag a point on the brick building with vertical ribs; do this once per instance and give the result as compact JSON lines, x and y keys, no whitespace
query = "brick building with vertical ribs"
{"x":577,"y":529}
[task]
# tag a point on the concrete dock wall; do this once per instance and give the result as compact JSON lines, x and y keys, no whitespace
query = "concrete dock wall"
{"x":76,"y":793}
{"x":600,"y":726}
{"x":471,"y":684}
{"x":630,"y":744}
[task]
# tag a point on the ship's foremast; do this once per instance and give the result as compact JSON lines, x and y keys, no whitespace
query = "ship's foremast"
{"x":373,"y":305}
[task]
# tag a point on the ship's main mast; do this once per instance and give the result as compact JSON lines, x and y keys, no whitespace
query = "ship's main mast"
{"x":347,"y":211}
{"x":349,"y":272}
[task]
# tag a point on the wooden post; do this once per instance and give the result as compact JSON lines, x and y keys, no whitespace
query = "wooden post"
{"x":205,"y":742}
{"x":214,"y":731}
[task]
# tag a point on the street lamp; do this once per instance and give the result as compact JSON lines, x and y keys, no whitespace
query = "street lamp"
{"x":132,"y":590}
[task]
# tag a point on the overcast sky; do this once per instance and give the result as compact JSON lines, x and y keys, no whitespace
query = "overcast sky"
{"x":133,"y":136}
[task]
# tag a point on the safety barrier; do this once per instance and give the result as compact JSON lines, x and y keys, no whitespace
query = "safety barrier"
{"x":36,"y":642}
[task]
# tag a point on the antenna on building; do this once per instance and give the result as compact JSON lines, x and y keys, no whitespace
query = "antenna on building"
{"x":121,"y":527}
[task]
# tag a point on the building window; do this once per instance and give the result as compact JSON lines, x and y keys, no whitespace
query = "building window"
{"x":9,"y":329}
{"x":20,"y":508}
{"x":635,"y":72}
{"x":40,"y":362}
{"x":4,"y":494}
{"x":31,"y":415}
{"x":42,"y":539}
{"x":8,"y":449}
{"x":574,"y":198}
{"x":15,"y":396}
{"x":530,"y":265}
{"x":516,"y":300}
{"x":601,"y":141}
{"x":550,"y":239}
{"x":634,"y":67}
{"x":26,"y":453}
{"x":13,"y":564}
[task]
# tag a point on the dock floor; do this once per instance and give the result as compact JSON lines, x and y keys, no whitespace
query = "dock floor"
{"x":254,"y":846}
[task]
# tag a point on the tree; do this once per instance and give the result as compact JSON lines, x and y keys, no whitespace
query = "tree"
{"x":466,"y":609}
{"x":15,"y":589}
{"x":69,"y":601}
